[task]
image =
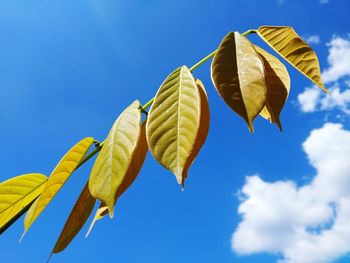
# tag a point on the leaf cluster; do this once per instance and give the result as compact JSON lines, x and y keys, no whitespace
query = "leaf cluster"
{"x":250,"y":80}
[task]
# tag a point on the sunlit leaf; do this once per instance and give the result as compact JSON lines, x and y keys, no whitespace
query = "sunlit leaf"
{"x":203,"y":129}
{"x":173,"y":121}
{"x":58,"y":177}
{"x":238,"y":75}
{"x":76,"y":220}
{"x":287,"y":43}
{"x":113,"y":161}
{"x":134,"y":168}
{"x":278,"y":86}
{"x":16,"y":194}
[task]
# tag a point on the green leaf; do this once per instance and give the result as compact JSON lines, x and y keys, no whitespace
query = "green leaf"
{"x":134,"y":168}
{"x":113,"y":161}
{"x":288,"y":44}
{"x":17,"y":194}
{"x":203,"y":129}
{"x":76,"y":220}
{"x":58,"y":177}
{"x":238,"y":75}
{"x":278,"y":86}
{"x":173,"y":121}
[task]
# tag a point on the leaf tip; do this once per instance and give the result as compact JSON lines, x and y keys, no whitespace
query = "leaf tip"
{"x":250,"y":126}
{"x":279,"y":125}
{"x":20,"y":240}
{"x":49,"y":258}
{"x":324,"y":89}
{"x":111,"y":212}
{"x":90,"y":228}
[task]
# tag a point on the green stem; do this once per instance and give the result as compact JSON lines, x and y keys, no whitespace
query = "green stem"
{"x":149,"y":103}
{"x":250,"y":31}
{"x":90,"y":155}
{"x":195,"y":66}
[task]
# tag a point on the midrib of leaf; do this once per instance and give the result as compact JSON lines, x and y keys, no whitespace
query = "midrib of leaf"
{"x":178,"y":125}
{"x":110,"y":154}
{"x":29,"y":193}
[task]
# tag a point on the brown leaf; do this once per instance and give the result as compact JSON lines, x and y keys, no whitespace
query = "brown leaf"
{"x":278,"y":86}
{"x":288,"y":44}
{"x":238,"y":75}
{"x":76,"y":220}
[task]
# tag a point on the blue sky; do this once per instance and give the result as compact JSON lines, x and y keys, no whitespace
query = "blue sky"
{"x":68,"y":68}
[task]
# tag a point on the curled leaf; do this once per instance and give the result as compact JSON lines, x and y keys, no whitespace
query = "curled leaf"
{"x":17,"y":194}
{"x":58,"y":177}
{"x":113,"y":161}
{"x":173,"y":121}
{"x":238,"y":75}
{"x":203,"y":129}
{"x":76,"y":220}
{"x":278,"y":86}
{"x":134,"y":168}
{"x":288,"y":44}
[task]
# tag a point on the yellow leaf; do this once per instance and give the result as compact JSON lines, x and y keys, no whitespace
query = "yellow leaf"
{"x":17,"y":194}
{"x":173,"y":121}
{"x":58,"y":177}
{"x":76,"y":220}
{"x":288,"y":44}
{"x":134,"y":168}
{"x":202,"y":132}
{"x":278,"y":86}
{"x":113,"y":162}
{"x":238,"y":75}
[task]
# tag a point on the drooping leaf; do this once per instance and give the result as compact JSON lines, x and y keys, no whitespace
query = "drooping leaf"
{"x":238,"y":75}
{"x":58,"y":177}
{"x":288,"y":44}
{"x":203,"y":129}
{"x":113,"y":162}
{"x":16,"y":194}
{"x":76,"y":220}
{"x":173,"y":121}
{"x":278,"y":86}
{"x":134,"y":168}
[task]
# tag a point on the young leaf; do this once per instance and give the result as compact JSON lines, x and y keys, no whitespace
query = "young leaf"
{"x":203,"y":129}
{"x":76,"y":220}
{"x":288,"y":44}
{"x":173,"y":121}
{"x":16,"y":194}
{"x":278,"y":86}
{"x":134,"y":168}
{"x":238,"y":75}
{"x":113,"y":162}
{"x":58,"y":177}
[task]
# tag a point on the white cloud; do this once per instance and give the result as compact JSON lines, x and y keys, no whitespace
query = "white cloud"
{"x":338,"y":59}
{"x":337,"y":99}
{"x":313,"y":99}
{"x":309,"y":99}
{"x":303,"y":224}
{"x":314,"y":39}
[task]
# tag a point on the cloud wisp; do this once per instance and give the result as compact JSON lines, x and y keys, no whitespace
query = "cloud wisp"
{"x":303,"y":224}
{"x":338,"y":60}
{"x":337,"y":75}
{"x":314,"y":39}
